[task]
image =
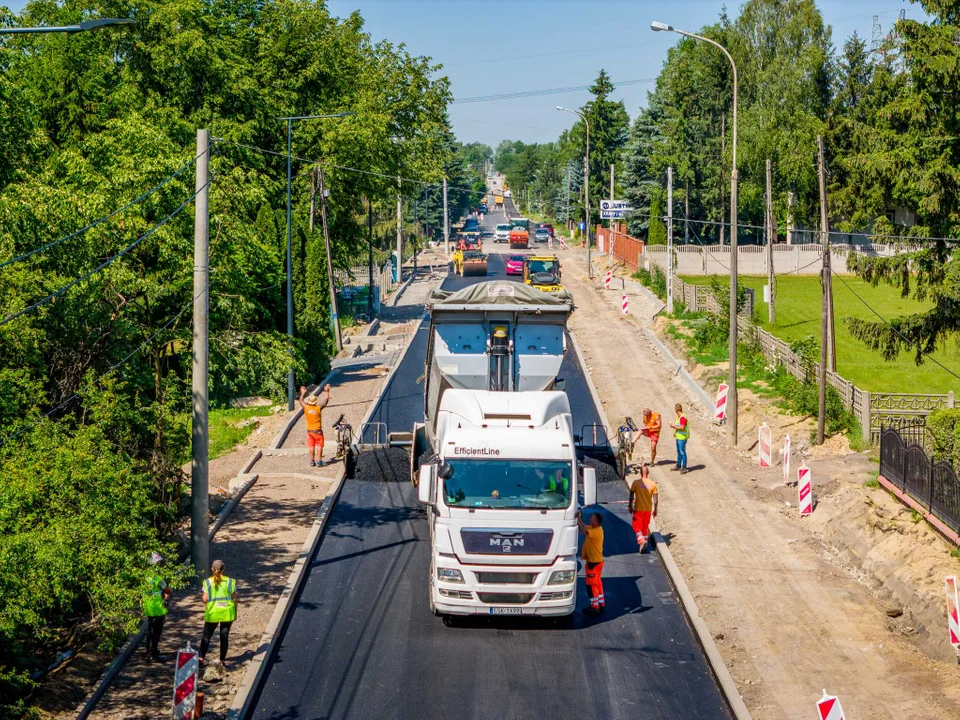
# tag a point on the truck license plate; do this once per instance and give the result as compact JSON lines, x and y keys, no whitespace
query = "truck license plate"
{"x":506,"y":611}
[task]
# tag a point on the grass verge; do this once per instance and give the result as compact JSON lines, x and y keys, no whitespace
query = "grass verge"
{"x":225,"y":433}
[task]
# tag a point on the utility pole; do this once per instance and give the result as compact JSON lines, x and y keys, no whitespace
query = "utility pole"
{"x":446,"y":221}
{"x":290,"y":378}
{"x":370,"y":258}
{"x":723,"y":152}
{"x":825,"y":277}
{"x":567,"y":218}
{"x":610,"y":223}
{"x":330,"y":281}
{"x":200,"y":438}
{"x":399,"y":232}
{"x":669,"y":239}
{"x":686,"y":214}
{"x":771,"y":236}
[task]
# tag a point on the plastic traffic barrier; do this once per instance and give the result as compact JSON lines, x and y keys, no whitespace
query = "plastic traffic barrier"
{"x":785,"y":453}
{"x":804,"y":490}
{"x":953,"y":612}
{"x":720,"y":408}
{"x":829,"y":707}
{"x":607,"y":278}
{"x":765,"y":445}
{"x":624,"y":304}
{"x":185,"y":683}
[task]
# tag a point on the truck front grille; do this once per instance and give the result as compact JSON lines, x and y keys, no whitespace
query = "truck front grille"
{"x":506,"y":578}
{"x":505,"y":598}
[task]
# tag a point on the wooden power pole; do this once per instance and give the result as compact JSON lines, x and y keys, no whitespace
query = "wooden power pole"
{"x":771,"y":237}
{"x":826,"y":281}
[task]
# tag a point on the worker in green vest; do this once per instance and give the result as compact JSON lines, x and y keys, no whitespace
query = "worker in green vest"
{"x":220,"y":599}
{"x":681,"y":433}
{"x":155,"y":607}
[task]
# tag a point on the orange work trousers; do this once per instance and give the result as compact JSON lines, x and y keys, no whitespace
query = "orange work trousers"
{"x":594,"y":573}
{"x":641,"y":526}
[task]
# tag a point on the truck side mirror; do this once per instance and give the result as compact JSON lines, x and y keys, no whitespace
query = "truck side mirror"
{"x":425,"y":487}
{"x":559,"y":384}
{"x":589,"y":486}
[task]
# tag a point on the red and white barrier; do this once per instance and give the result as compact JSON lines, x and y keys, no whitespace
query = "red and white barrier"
{"x":765,"y":445}
{"x":804,"y":490}
{"x":829,"y":707}
{"x":624,"y":304}
{"x":953,"y":611}
{"x":607,"y":279}
{"x":185,"y":683}
{"x":785,"y":453}
{"x":563,"y":245}
{"x":720,"y":408}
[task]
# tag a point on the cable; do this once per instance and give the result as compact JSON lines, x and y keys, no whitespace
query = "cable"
{"x":547,"y":91}
{"x":891,"y":326}
{"x":103,"y":219}
{"x":328,"y":164}
{"x":109,"y":261}
{"x":113,"y":367}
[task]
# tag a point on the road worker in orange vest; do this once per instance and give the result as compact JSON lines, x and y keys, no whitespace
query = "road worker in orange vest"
{"x":592,"y":556}
{"x":644,"y":501}
{"x":652,"y":425}
{"x":313,"y":414}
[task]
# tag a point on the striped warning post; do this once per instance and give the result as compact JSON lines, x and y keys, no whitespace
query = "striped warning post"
{"x":607,"y":279}
{"x":785,"y":452}
{"x":804,"y":490}
{"x":563,"y":245}
{"x":829,"y":707}
{"x":953,"y":611}
{"x":624,"y":304}
{"x":185,"y":683}
{"x":765,"y":445}
{"x":720,"y":409}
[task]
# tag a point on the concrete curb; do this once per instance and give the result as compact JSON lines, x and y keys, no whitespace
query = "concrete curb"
{"x":372,"y":328}
{"x":727,"y":685}
{"x":231,"y":504}
{"x":255,"y":670}
{"x":392,"y":300}
{"x":282,"y":435}
{"x":700,"y":394}
{"x":254,"y":676}
{"x":257,"y":454}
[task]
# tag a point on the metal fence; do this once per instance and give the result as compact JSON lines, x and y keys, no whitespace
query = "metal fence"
{"x":353,"y":288}
{"x":906,"y":461}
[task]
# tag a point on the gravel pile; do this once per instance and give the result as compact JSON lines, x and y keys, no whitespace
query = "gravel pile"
{"x":606,"y":472}
{"x":386,"y":465}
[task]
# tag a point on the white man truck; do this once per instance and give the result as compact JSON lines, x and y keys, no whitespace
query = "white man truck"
{"x":496,"y":458}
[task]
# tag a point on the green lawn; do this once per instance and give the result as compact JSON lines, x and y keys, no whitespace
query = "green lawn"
{"x":224,"y":433}
{"x":798,"y":315}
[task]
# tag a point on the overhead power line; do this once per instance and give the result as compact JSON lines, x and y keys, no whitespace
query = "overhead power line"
{"x":106,"y":263}
{"x":547,"y":91}
{"x":100,"y":221}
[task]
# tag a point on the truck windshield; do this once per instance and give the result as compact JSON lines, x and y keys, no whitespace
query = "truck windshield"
{"x":543,"y":266}
{"x":509,"y":484}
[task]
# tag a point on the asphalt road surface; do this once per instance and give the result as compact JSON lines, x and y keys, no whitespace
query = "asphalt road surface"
{"x":361,"y":643}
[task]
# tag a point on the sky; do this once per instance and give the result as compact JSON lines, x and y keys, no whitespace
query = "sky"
{"x":520,"y":45}
{"x":489,"y":48}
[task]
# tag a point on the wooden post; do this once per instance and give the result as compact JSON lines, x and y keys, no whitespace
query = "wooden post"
{"x":723,"y":150}
{"x":824,"y":324}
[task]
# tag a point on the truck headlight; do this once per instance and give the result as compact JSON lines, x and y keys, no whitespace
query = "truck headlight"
{"x":451,"y":575}
{"x":562,"y":577}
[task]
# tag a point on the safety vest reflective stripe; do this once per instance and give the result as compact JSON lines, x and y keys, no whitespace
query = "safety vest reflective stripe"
{"x":683,"y":434}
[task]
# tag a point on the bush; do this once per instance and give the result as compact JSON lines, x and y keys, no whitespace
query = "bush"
{"x":654,"y":279}
{"x":944,"y":428}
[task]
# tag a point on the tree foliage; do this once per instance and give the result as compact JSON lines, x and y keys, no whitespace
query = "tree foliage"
{"x":95,"y":385}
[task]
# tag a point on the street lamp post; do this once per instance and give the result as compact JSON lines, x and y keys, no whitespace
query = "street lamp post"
{"x":79,"y":27}
{"x":586,"y":185}
{"x":732,"y":378}
{"x":291,"y":380}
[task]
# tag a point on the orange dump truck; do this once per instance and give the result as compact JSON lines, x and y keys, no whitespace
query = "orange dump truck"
{"x":519,"y":239}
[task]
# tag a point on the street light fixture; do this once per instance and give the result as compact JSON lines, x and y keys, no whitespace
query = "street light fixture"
{"x":290,"y":375}
{"x":80,"y":27}
{"x":732,"y":378}
{"x":586,"y":185}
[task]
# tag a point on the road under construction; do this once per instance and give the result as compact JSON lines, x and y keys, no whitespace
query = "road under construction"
{"x":361,"y":643}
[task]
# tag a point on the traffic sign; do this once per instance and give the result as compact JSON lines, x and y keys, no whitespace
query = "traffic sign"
{"x":612,"y":209}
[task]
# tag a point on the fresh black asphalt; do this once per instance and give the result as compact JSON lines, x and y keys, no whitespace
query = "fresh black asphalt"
{"x":361,"y":643}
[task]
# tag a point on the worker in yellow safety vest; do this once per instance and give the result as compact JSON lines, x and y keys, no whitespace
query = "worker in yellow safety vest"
{"x":155,"y":607}
{"x":220,"y":600}
{"x":681,"y":433}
